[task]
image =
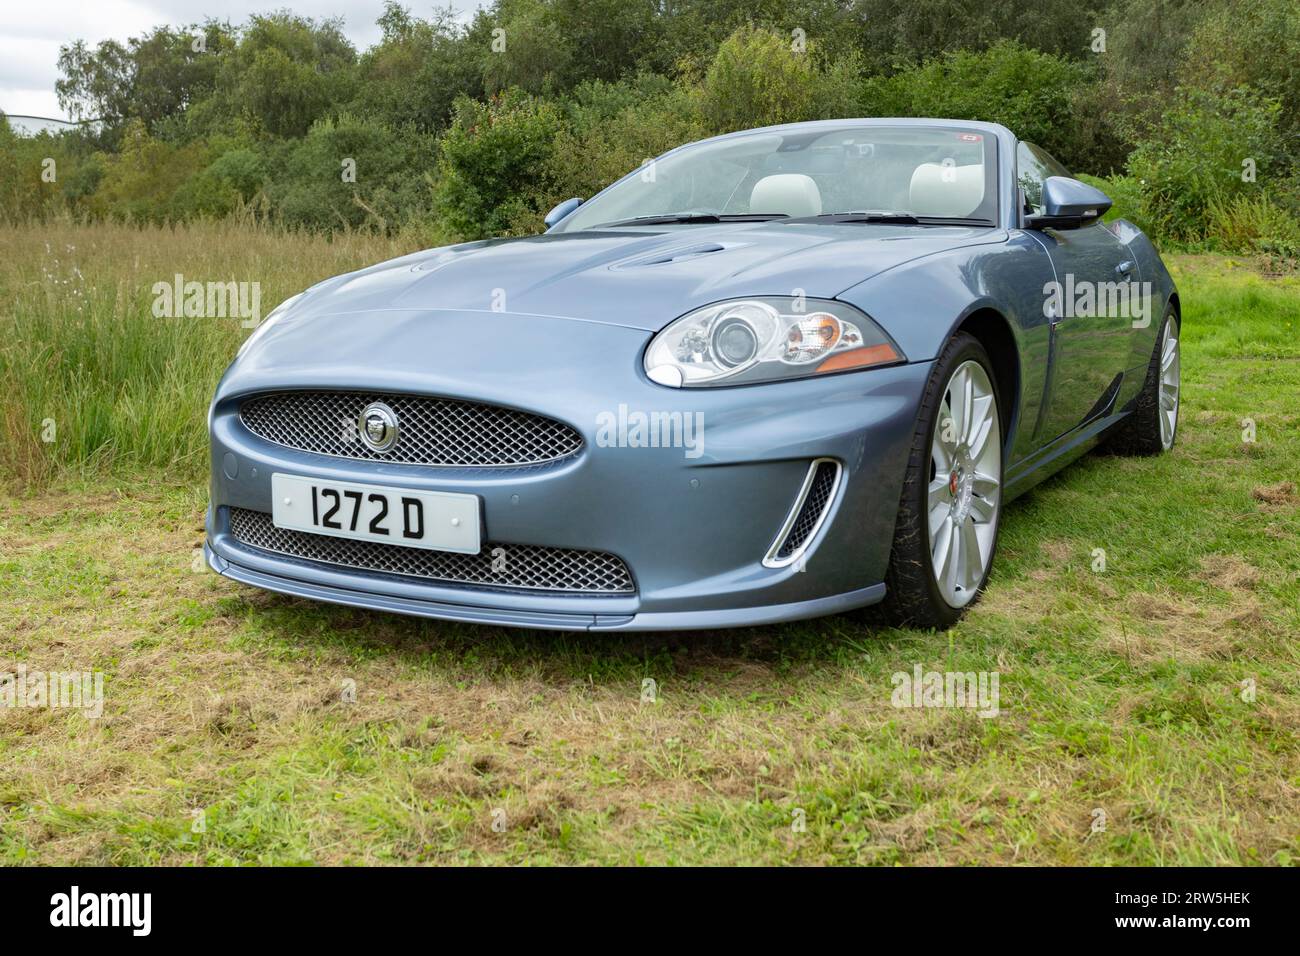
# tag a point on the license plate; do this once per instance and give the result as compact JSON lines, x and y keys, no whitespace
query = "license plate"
{"x":437,"y":520}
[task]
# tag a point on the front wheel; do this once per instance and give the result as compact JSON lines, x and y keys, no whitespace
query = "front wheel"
{"x":947,"y":527}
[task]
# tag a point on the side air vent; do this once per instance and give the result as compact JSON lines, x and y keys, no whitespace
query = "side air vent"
{"x":806,"y":514}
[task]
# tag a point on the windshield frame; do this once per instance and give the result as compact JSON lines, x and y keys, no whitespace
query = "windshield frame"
{"x":993,"y":142}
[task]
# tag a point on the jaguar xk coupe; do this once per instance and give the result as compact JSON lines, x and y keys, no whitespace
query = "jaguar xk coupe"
{"x":777,"y":374}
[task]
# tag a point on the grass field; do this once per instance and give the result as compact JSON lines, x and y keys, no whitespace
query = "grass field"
{"x":1123,"y":691}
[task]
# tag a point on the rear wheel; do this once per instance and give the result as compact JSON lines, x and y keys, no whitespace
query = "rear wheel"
{"x":947,"y":527}
{"x":1152,"y":426}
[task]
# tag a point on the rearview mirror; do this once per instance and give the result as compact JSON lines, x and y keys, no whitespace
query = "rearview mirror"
{"x":1068,"y":204}
{"x":562,"y":210}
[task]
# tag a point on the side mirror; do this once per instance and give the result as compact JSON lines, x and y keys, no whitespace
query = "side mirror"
{"x":562,"y":210}
{"x":1068,"y":204}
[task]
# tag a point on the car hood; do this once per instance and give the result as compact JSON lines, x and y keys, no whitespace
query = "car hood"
{"x":633,"y":278}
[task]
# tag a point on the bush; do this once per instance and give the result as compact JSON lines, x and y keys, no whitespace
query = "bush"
{"x":140,"y":181}
{"x":23,"y":193}
{"x":1029,"y":92}
{"x":612,"y":130}
{"x":1253,"y":43}
{"x":390,"y":167}
{"x":1279,"y":256}
{"x":1124,"y":192}
{"x":493,"y":165}
{"x":757,"y":79}
{"x":1248,"y":223}
{"x":1193,"y":160}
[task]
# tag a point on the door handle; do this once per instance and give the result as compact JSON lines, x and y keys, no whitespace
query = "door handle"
{"x":1125,"y":268}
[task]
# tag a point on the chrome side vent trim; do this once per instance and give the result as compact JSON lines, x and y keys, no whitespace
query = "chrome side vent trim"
{"x":807,"y":514}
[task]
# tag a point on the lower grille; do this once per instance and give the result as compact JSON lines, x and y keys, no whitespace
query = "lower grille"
{"x":512,"y":566}
{"x":806,"y":516}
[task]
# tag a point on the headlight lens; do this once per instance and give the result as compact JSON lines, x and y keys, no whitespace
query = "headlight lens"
{"x":276,"y":315}
{"x":764,"y":339}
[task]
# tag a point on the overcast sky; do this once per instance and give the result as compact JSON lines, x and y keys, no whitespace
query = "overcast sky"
{"x":31,"y":32}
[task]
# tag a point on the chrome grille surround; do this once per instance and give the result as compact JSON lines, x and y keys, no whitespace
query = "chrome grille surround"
{"x":497,"y":566}
{"x":433,"y":431}
{"x":806,"y":514}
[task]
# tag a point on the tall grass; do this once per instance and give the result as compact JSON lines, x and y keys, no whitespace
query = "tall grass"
{"x":90,"y":380}
{"x":83,"y":360}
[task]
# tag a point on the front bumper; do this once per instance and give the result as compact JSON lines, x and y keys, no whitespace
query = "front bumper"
{"x":693,"y":531}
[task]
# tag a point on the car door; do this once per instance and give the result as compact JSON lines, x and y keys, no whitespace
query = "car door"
{"x":1087,"y":307}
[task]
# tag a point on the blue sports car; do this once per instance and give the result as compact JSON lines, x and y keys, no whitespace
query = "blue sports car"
{"x":777,"y":374}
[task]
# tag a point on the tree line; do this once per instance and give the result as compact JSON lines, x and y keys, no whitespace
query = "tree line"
{"x":1189,"y":110}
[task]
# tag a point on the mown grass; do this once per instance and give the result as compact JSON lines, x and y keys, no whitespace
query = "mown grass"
{"x":1121,"y":690}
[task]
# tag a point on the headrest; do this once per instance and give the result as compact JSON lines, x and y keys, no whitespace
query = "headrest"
{"x":791,"y":193}
{"x":939,"y":190}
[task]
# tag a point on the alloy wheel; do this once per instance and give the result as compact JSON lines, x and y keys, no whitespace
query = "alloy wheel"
{"x":1170,"y":381}
{"x":965,"y":484}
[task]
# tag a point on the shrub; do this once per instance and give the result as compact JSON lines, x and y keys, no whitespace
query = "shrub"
{"x":613,"y":129}
{"x":23,"y":192}
{"x":1029,"y":92}
{"x":1124,"y":193}
{"x":390,"y":168}
{"x":1253,"y":43}
{"x":757,"y":79}
{"x":1279,"y":256}
{"x":1246,"y":223}
{"x":493,"y":164}
{"x":139,"y":182}
{"x":1194,"y":158}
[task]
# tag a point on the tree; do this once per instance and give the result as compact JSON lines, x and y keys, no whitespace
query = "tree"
{"x":152,"y":78}
{"x":288,"y":71}
{"x":757,"y":79}
{"x":414,"y":74}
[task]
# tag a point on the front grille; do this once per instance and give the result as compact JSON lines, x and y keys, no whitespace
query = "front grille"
{"x":521,"y":566}
{"x":810,"y":507}
{"x":431,"y":431}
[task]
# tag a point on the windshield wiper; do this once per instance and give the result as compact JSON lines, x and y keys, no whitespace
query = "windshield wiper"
{"x":894,"y":218}
{"x":674,"y":217}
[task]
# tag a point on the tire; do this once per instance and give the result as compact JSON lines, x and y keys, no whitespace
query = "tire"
{"x":1152,"y":427}
{"x":920,"y":589}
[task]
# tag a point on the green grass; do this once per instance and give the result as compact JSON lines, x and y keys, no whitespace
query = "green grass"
{"x":83,"y":351}
{"x":1120,"y":691}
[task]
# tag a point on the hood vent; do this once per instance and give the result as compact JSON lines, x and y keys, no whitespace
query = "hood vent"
{"x":673,"y":255}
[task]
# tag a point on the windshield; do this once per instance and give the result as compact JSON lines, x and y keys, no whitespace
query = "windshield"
{"x":928,"y":172}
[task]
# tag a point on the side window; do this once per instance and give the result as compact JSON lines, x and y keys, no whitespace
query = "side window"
{"x":1033,"y":166}
{"x":1030,"y":174}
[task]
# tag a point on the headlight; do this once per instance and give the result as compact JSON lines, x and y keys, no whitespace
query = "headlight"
{"x":276,"y":315}
{"x":767,"y":338}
